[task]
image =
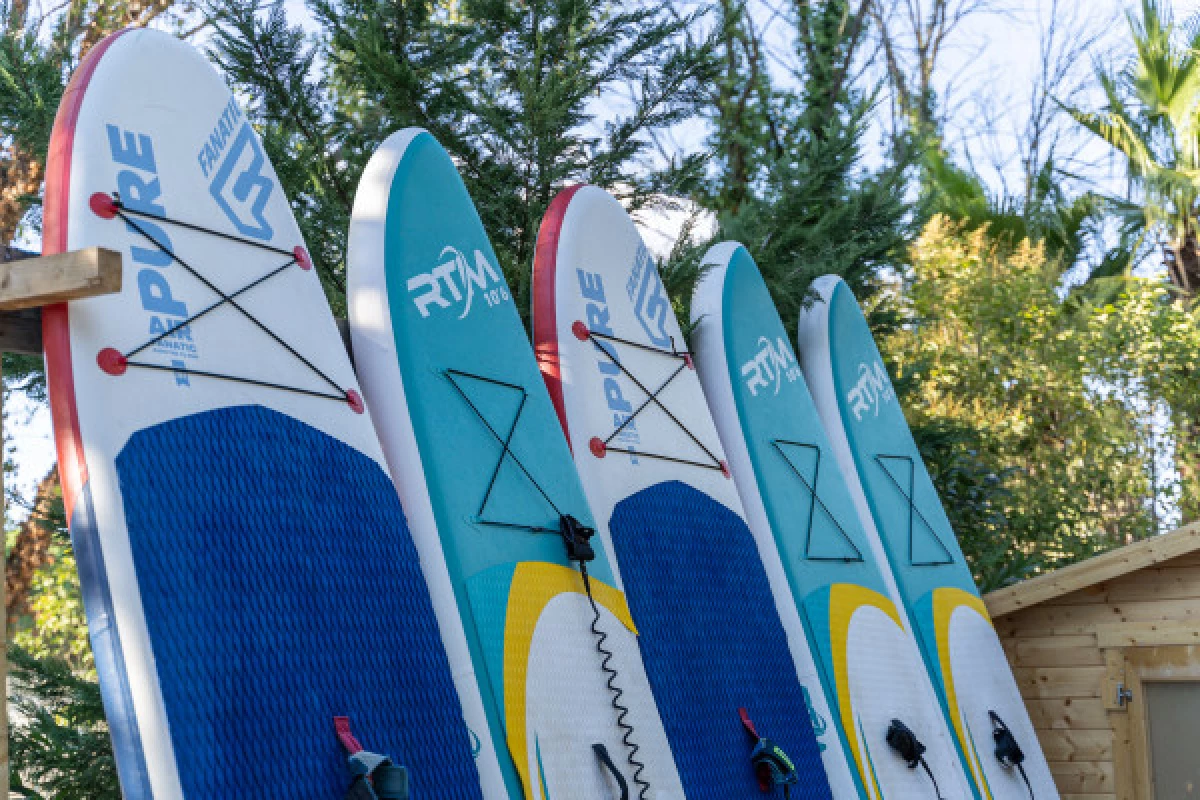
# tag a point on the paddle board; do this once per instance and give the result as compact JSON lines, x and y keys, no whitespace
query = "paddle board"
{"x":706,"y":596}
{"x":487,"y":481}
{"x":898,"y":506}
{"x":793,"y":493}
{"x":244,"y":560}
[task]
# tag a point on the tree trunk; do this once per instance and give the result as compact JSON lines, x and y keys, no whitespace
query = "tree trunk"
{"x":1183,"y":265}
{"x":20,"y":179}
{"x":31,"y":549}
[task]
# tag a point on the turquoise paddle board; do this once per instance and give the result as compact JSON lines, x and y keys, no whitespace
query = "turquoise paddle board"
{"x":899,"y":508}
{"x":551,"y":657}
{"x":788,"y":478}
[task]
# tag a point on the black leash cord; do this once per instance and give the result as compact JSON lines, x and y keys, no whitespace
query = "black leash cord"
{"x":617,"y":692}
{"x":577,"y":538}
{"x":936,"y":790}
{"x":1028,"y":785}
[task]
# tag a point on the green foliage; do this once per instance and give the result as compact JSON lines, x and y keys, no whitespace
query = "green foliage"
{"x":31,"y":83}
{"x":58,"y":744}
{"x":57,"y":628}
{"x":816,"y":216}
{"x":1032,"y":405}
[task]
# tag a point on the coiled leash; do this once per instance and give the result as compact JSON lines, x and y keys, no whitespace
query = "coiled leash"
{"x":772,"y":766}
{"x":1008,"y":752}
{"x":372,"y":776}
{"x":578,"y":540}
{"x":910,"y":748}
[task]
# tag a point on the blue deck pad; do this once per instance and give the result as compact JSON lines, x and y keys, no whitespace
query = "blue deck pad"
{"x":712,"y":641}
{"x":281,"y":588}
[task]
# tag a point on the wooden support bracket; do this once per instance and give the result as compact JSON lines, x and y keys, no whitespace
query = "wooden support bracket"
{"x":34,"y":282}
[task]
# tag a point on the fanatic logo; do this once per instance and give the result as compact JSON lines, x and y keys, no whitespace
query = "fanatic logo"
{"x":651,"y":305}
{"x":240,"y":187}
{"x":872,"y":390}
{"x":454,"y":282}
{"x":772,"y":364}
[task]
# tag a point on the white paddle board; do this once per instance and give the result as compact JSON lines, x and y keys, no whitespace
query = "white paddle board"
{"x":245,"y":564}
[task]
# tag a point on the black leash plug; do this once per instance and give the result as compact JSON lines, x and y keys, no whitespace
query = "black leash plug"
{"x":577,"y":538}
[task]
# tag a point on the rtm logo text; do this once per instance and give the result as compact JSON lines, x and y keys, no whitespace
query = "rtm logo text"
{"x":454,"y":282}
{"x":872,"y":390}
{"x":772,"y":364}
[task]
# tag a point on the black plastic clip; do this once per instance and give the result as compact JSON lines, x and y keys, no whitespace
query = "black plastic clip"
{"x":901,"y":739}
{"x":577,"y":537}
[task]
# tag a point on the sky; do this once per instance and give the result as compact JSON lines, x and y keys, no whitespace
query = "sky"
{"x":987,"y":75}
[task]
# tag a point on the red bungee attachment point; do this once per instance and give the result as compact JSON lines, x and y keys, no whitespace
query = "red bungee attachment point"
{"x":302,"y":258}
{"x":103,"y":205}
{"x":597,"y":445}
{"x":354,"y":399}
{"x":687,"y":359}
{"x":112,"y":361}
{"x":725,"y":469}
{"x":581,"y":331}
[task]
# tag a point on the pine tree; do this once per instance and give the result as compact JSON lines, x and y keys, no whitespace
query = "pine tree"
{"x":59,"y":745}
{"x":790,"y":183}
{"x":323,"y":104}
{"x":511,"y":89}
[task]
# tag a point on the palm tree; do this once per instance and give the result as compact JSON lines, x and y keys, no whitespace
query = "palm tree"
{"x":1152,"y":118}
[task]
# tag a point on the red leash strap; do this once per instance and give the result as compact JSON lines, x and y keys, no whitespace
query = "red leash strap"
{"x":342,"y":726}
{"x":747,"y":724}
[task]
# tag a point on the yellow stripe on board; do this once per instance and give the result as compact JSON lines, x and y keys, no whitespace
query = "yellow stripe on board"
{"x":945,"y":602}
{"x":534,"y":585}
{"x":845,"y":599}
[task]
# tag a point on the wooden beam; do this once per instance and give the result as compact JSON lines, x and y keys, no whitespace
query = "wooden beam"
{"x":1103,"y":567}
{"x":1147,"y":634}
{"x":21,"y":331}
{"x":33,"y":282}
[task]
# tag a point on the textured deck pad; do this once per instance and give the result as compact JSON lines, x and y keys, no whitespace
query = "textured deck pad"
{"x":718,"y":632}
{"x":788,"y":478}
{"x":245,"y":563}
{"x":259,"y":649}
{"x":484,"y":473}
{"x":699,"y":594}
{"x":898,"y":506}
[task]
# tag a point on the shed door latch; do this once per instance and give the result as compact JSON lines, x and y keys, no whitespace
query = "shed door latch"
{"x":1124,"y":694}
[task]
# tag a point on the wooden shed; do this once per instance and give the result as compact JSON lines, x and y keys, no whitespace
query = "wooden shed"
{"x":1107,"y":655}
